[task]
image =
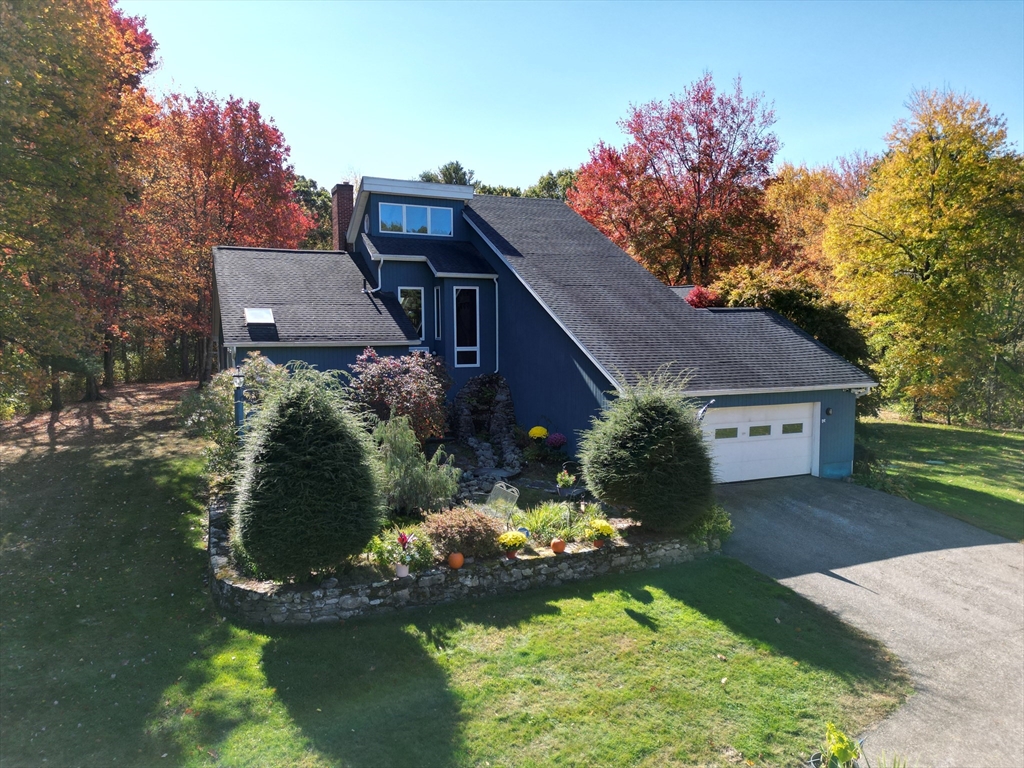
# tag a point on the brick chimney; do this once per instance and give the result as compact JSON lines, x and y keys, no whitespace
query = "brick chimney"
{"x":341,"y":214}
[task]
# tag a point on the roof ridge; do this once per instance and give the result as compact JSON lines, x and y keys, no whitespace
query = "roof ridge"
{"x":277,"y":250}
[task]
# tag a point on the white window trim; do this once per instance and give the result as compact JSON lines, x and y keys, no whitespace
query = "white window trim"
{"x":405,"y":226}
{"x":438,"y":330}
{"x":423,"y":309}
{"x":455,"y":326}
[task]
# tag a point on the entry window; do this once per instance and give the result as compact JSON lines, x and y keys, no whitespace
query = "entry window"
{"x":467,"y":326}
{"x":761,"y":431}
{"x":792,"y":429}
{"x":726,"y":432}
{"x":437,"y":312}
{"x":412,"y":303}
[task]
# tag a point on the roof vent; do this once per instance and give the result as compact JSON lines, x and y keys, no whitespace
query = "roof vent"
{"x":259,"y":316}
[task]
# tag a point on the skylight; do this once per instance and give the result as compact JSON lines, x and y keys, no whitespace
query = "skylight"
{"x":259,"y":316}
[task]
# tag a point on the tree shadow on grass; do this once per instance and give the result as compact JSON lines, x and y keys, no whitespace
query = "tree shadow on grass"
{"x":366,"y":694}
{"x":376,"y":691}
{"x":103,"y":595}
{"x":373,"y":692}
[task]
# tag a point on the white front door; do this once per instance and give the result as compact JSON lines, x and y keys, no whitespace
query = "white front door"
{"x":758,"y":441}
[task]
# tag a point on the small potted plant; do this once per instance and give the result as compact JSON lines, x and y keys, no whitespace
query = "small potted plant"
{"x":599,"y":531}
{"x":840,"y":751}
{"x":511,"y":542}
{"x":565,"y":482}
{"x":402,"y":550}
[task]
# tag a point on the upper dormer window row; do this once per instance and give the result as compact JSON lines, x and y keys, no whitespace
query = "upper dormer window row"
{"x":416,"y":219}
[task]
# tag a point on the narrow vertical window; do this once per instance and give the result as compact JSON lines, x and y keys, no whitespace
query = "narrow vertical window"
{"x":467,"y":323}
{"x":412,"y":302}
{"x":437,"y":312}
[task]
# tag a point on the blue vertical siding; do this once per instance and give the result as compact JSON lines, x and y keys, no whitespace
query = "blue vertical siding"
{"x":413,"y":274}
{"x":554,"y":384}
{"x":835,"y":431}
{"x":485,"y":331}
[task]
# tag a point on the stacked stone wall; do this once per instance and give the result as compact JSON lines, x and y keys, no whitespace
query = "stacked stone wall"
{"x":269,"y":603}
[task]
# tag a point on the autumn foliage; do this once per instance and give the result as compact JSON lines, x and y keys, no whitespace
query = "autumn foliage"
{"x":110,"y":203}
{"x":219,"y":176}
{"x":684,"y":196}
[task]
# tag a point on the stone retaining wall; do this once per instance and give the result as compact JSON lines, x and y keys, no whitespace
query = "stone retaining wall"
{"x":268,"y":603}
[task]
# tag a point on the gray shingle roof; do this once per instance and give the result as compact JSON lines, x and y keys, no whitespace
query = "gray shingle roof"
{"x":631,"y":323}
{"x":444,"y":256}
{"x":317,"y":298}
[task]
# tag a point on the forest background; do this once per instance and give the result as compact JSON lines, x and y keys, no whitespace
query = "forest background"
{"x":910,"y":263}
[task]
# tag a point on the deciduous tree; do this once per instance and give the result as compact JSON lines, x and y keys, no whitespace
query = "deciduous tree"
{"x":315,"y":202}
{"x":684,"y":196}
{"x":933,"y":256}
{"x":553,"y":185}
{"x":219,"y":176}
{"x":450,"y":173}
{"x":73,"y":118}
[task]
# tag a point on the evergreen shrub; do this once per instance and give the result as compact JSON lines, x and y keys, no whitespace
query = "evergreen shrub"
{"x":413,"y":482}
{"x":646,"y":451}
{"x":308,"y":492}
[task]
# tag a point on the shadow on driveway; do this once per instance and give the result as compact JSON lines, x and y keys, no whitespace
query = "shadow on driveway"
{"x":795,"y":525}
{"x":946,"y":597}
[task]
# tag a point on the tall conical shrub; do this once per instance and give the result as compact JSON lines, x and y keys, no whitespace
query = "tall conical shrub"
{"x":309,"y":491}
{"x":645,"y":451}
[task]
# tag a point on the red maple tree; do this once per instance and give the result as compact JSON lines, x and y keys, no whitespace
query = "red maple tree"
{"x":219,"y":176}
{"x":685,"y":196}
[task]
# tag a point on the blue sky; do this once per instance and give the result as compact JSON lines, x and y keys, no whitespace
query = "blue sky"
{"x":513,"y":90}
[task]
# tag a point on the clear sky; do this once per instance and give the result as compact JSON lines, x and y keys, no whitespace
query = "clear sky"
{"x":513,"y":90}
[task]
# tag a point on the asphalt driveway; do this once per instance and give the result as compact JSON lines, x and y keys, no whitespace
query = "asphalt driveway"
{"x":946,"y":597}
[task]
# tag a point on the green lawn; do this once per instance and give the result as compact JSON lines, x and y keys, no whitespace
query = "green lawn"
{"x":980,"y":478}
{"x":111,"y":653}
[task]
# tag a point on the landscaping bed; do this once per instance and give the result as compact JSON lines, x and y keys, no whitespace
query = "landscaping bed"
{"x":328,"y":601}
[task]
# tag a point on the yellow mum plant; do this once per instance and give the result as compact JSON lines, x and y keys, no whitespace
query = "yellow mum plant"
{"x":538,"y":433}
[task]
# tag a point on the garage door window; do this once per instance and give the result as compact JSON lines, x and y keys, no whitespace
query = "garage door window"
{"x":792,"y":429}
{"x":761,"y":431}
{"x":726,"y":432}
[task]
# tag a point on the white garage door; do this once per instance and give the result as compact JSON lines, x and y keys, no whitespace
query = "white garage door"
{"x":759,"y":441}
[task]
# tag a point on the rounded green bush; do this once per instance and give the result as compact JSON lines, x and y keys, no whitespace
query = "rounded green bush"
{"x":645,"y":451}
{"x":308,"y":495}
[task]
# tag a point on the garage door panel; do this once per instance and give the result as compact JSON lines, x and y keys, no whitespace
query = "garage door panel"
{"x":756,"y":442}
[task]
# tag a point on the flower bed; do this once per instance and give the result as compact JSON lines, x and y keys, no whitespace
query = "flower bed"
{"x":270,"y":603}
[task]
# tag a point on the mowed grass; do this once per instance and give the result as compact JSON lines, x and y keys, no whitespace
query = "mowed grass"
{"x":113,"y":655}
{"x":980,"y":479}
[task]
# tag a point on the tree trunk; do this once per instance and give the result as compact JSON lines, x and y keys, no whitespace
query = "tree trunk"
{"x":186,"y":369}
{"x":108,"y":361}
{"x":56,"y":401}
{"x":92,"y":388}
{"x":918,"y":412}
{"x":124,"y":361}
{"x":205,"y":361}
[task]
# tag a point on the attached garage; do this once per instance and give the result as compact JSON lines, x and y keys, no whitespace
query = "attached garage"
{"x":759,"y":441}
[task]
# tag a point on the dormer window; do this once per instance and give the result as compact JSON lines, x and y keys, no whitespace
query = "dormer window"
{"x":415,"y":219}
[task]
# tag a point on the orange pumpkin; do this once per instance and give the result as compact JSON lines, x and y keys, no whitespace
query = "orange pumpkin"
{"x":558,"y":546}
{"x":455,"y":560}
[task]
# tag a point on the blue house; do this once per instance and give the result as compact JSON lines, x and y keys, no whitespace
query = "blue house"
{"x":528,"y":288}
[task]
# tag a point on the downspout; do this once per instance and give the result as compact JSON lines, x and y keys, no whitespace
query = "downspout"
{"x":497,"y":326}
